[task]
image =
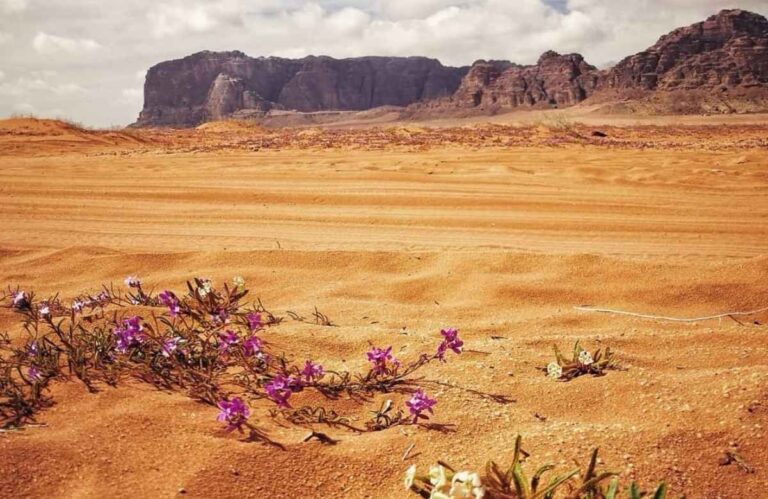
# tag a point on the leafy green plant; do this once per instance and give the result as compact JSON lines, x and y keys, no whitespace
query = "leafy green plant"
{"x":513,"y":482}
{"x":443,"y":482}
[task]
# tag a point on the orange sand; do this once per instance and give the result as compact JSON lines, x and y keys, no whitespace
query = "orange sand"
{"x":393,"y":242}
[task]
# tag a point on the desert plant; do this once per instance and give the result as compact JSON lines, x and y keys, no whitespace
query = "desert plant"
{"x":207,"y":342}
{"x":581,"y":362}
{"x":443,"y":482}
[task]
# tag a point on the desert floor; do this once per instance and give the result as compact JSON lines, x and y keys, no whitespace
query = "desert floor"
{"x":394,"y":233}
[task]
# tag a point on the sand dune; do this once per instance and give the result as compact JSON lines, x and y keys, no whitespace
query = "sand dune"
{"x":498,"y":241}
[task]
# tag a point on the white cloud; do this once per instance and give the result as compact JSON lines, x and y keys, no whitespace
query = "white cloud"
{"x":38,"y":82}
{"x":23,"y":108}
{"x":397,"y":10}
{"x":348,"y":21}
{"x":180,"y":17}
{"x":133,"y":96}
{"x":46,"y":44}
{"x":11,"y":6}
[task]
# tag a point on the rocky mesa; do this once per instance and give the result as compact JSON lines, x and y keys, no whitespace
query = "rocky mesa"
{"x":727,"y":52}
{"x":214,"y":85}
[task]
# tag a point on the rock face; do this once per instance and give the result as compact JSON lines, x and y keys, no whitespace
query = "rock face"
{"x":556,"y":80}
{"x":214,"y":85}
{"x":728,"y":51}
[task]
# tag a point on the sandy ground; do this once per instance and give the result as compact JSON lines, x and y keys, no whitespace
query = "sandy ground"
{"x":499,"y":238}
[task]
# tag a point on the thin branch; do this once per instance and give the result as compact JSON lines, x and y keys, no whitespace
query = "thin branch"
{"x":673,"y":319}
{"x":408,"y":451}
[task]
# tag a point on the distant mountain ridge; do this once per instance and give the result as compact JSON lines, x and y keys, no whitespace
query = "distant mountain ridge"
{"x":727,"y":52}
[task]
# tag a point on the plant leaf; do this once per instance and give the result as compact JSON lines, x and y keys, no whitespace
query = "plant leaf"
{"x":537,"y":476}
{"x":556,"y":483}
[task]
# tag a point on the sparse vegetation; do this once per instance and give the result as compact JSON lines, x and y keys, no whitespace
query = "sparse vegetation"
{"x":443,"y":481}
{"x":581,"y":362}
{"x":207,"y":342}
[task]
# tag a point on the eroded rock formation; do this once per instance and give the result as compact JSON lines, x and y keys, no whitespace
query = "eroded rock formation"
{"x":213,"y":85}
{"x":728,"y":51}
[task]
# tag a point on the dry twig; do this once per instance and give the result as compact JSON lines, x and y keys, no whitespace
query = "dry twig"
{"x":672,"y":319}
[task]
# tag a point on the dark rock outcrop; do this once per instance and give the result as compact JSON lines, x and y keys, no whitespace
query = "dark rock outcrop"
{"x":728,"y":49}
{"x":555,"y":80}
{"x":214,"y":85}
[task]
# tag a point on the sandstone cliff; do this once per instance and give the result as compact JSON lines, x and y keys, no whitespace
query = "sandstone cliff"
{"x":729,"y":49}
{"x":555,"y":80}
{"x":213,"y":85}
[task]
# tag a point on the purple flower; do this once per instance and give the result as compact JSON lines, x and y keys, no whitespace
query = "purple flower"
{"x":44,"y":310}
{"x":34,"y":374}
{"x":419,"y":403}
{"x":281,"y":387}
{"x":254,"y":321}
{"x":227,"y":339}
{"x":33,"y":349}
{"x":77,"y":306}
{"x":379,"y":358}
{"x":20,"y":300}
{"x":168,"y":299}
{"x":102,"y":297}
{"x":220,"y":317}
{"x":132,"y":282}
{"x":450,"y":341}
{"x":252,"y":346}
{"x":233,"y":412}
{"x":130,"y":334}
{"x":170,"y":346}
{"x":312,"y":371}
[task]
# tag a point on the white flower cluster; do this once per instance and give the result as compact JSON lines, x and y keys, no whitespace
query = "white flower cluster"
{"x":207,"y":287}
{"x":554,"y":370}
{"x":461,"y":484}
{"x":585,"y":358}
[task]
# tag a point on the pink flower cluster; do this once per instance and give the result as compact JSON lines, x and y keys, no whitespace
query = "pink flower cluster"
{"x":312,"y":371}
{"x":381,"y":359}
{"x":130,"y":334}
{"x":234,"y":413}
{"x":450,"y":341}
{"x":227,"y":340}
{"x":254,"y":321}
{"x":253,"y":346}
{"x":169,"y":299}
{"x":420,"y":403}
{"x":281,"y":387}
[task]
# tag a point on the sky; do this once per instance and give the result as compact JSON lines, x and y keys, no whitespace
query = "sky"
{"x":85,"y":60}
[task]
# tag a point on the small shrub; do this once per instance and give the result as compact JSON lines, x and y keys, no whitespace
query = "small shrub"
{"x":581,"y":362}
{"x":207,"y":342}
